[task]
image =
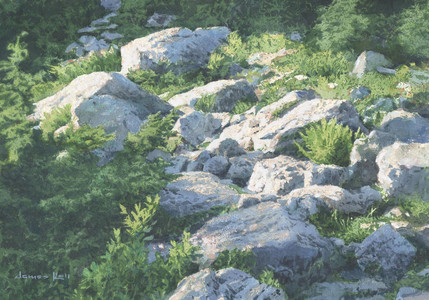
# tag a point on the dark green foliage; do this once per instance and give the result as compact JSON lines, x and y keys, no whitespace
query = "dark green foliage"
{"x":328,"y":143}
{"x":206,"y":103}
{"x":56,"y":119}
{"x":280,"y":112}
{"x":15,"y":91}
{"x":412,"y":34}
{"x":124,"y":271}
{"x":243,"y":260}
{"x":350,"y":228}
{"x":154,"y":134}
{"x":167,"y":82}
{"x":51,"y":25}
{"x":268,"y":278}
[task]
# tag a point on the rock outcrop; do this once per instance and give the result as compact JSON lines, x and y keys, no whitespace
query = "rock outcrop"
{"x":179,"y":49}
{"x":283,"y":174}
{"x":224,"y":284}
{"x":106,"y":99}
{"x":385,"y":254}
{"x":281,"y":242}
{"x":194,"y":192}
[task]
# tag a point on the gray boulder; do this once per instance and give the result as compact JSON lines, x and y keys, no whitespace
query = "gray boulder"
{"x":155,"y":154}
{"x":230,"y":148}
{"x":241,"y":170}
{"x":194,"y":192}
{"x":226,"y":94}
{"x":398,"y":126}
{"x":368,"y":61}
{"x":288,"y":246}
{"x":306,"y":201}
{"x":385,"y":254}
{"x":197,"y":126}
{"x":338,"y":290}
{"x":248,"y":200}
{"x":198,"y":163}
{"x":224,"y":284}
{"x":178,"y":165}
{"x":160,"y":20}
{"x":111,"y":4}
{"x":217,"y":165}
{"x":110,"y":36}
{"x":106,"y":99}
{"x":359,"y":93}
{"x":180,"y":48}
{"x":404,"y":169}
{"x":410,"y":293}
{"x":266,"y":134}
{"x":283,"y":174}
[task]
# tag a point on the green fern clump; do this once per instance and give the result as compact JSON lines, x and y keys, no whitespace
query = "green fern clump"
{"x":328,"y":143}
{"x":243,"y":260}
{"x":206,"y":103}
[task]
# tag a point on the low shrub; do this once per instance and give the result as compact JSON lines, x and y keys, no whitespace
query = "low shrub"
{"x":244,"y":260}
{"x":206,"y":103}
{"x":328,"y":143}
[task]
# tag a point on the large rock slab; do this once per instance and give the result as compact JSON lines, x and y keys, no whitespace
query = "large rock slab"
{"x":341,"y":290}
{"x":306,"y":201}
{"x":180,"y":48}
{"x":224,"y":284}
{"x":286,"y":245}
{"x":194,"y":192}
{"x":385,"y":254}
{"x":397,"y":126}
{"x":269,"y":135}
{"x":106,"y":99}
{"x":283,"y":174}
{"x":368,"y":61}
{"x":197,"y":126}
{"x":404,"y":169}
{"x":226,"y":94}
{"x":111,"y":4}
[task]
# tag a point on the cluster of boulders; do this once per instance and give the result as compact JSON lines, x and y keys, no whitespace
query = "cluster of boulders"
{"x":253,"y":152}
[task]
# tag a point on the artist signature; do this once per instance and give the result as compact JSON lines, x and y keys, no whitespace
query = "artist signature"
{"x":55,"y":276}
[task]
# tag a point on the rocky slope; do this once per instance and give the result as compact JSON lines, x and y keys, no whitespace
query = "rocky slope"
{"x":253,"y":150}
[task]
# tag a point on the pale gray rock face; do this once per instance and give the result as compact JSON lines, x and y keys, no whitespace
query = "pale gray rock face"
{"x":198,"y":163}
{"x":410,"y":293}
{"x":229,"y":148}
{"x":241,"y":170}
{"x":111,"y":4}
{"x":369,"y":61}
{"x":178,"y":165}
{"x":227,"y":284}
{"x":197,"y":126}
{"x":217,"y":165}
{"x":386,"y":253}
{"x":182,"y":48}
{"x":155,"y":154}
{"x":340,"y":290}
{"x":194,"y":192}
{"x":406,"y":127}
{"x":106,"y":99}
{"x":283,"y":174}
{"x":398,"y":126}
{"x":248,"y":200}
{"x":160,"y":20}
{"x":104,"y":20}
{"x":286,"y":245}
{"x":227,"y":94}
{"x":110,"y":36}
{"x":404,"y":169}
{"x":271,"y":135}
{"x":359,"y":93}
{"x":306,"y":201}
